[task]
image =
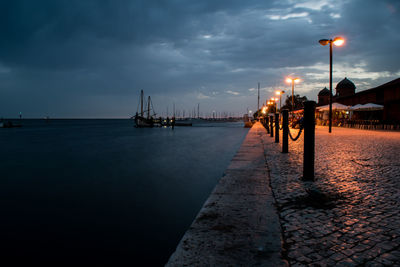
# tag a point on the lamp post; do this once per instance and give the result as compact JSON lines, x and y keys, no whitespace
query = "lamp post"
{"x":276,"y":104}
{"x":338,"y":41}
{"x":292,"y":81}
{"x":280,"y":93}
{"x":273,"y":102}
{"x":269,"y":103}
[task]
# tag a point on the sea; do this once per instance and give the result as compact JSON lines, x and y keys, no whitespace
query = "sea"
{"x":100,"y":192}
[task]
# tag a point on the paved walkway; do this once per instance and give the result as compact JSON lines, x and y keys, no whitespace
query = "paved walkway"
{"x":238,"y":224}
{"x":350,"y":216}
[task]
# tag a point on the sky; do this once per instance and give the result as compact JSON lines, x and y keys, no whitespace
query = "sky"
{"x":90,"y":59}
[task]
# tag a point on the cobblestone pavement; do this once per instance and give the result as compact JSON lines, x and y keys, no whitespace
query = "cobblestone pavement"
{"x":350,"y":216}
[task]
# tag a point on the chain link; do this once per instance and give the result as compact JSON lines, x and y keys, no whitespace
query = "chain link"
{"x":298,"y":134}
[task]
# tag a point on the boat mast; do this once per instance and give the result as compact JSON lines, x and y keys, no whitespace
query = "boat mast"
{"x":148,"y":108}
{"x":258,"y":101}
{"x":141,"y":103}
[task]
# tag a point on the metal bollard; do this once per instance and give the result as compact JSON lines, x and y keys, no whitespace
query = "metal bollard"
{"x":266,"y":125}
{"x":309,"y":140}
{"x":271,"y":123}
{"x":276,"y":127}
{"x":285,"y":131}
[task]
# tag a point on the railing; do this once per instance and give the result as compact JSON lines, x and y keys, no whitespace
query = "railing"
{"x":307,"y":124}
{"x":372,"y":125}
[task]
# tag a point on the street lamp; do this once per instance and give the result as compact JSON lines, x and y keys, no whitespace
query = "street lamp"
{"x":276,"y":104}
{"x":273,"y":102}
{"x":292,"y":81}
{"x":338,"y":41}
{"x":280,"y":93}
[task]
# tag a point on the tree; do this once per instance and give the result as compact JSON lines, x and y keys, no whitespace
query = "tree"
{"x":298,"y":102}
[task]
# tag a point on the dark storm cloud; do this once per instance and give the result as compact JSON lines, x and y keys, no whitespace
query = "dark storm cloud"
{"x":179,"y":49}
{"x":373,"y":28}
{"x":38,"y":33}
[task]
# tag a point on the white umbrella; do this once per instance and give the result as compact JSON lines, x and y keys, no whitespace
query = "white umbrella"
{"x":369,"y":106}
{"x":335,"y":105}
{"x":355,"y":107}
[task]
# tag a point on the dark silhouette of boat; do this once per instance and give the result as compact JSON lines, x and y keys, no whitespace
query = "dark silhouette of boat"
{"x":144,"y":119}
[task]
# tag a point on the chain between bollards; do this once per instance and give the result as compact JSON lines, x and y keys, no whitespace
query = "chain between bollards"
{"x":276,"y":127}
{"x":309,"y":140}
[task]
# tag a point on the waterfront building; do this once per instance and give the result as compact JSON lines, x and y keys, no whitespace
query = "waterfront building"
{"x":323,"y":97}
{"x":387,"y":95}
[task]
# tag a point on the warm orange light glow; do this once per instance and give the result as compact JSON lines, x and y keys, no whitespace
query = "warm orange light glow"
{"x":264,"y":110}
{"x":338,"y":41}
{"x":278,"y":92}
{"x":295,"y":80}
{"x":276,"y":99}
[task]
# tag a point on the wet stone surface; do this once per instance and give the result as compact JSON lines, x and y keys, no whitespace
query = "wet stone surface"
{"x":350,"y":215}
{"x":238,"y":225}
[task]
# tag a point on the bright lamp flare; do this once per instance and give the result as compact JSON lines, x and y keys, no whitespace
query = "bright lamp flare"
{"x":338,"y":41}
{"x":295,"y":80}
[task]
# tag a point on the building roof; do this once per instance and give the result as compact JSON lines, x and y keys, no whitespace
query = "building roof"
{"x":392,"y":84}
{"x":345,"y":83}
{"x":395,"y":82}
{"x":323,"y":92}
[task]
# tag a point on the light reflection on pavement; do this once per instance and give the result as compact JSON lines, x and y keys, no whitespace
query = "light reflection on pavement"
{"x":351,"y":213}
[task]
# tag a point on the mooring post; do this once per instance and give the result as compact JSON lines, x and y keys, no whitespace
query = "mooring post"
{"x":271,"y":123}
{"x":285,"y":131}
{"x":266,"y":125}
{"x":276,"y":127}
{"x":309,"y":140}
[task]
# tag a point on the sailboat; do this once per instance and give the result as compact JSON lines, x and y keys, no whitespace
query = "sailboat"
{"x":144,"y":119}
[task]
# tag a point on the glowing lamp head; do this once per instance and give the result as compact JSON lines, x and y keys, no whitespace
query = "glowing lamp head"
{"x":338,"y":41}
{"x":293,"y":80}
{"x":278,"y":92}
{"x":276,"y":99}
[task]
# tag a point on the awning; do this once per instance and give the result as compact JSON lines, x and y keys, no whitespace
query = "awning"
{"x":335,"y":105}
{"x":367,"y":107}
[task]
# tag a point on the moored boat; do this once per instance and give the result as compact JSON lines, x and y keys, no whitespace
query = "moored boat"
{"x":144,"y":119}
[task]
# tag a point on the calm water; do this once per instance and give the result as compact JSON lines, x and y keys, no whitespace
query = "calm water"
{"x":101,"y":192}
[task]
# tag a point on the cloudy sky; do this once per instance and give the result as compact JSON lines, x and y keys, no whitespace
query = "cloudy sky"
{"x":74,"y":58}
